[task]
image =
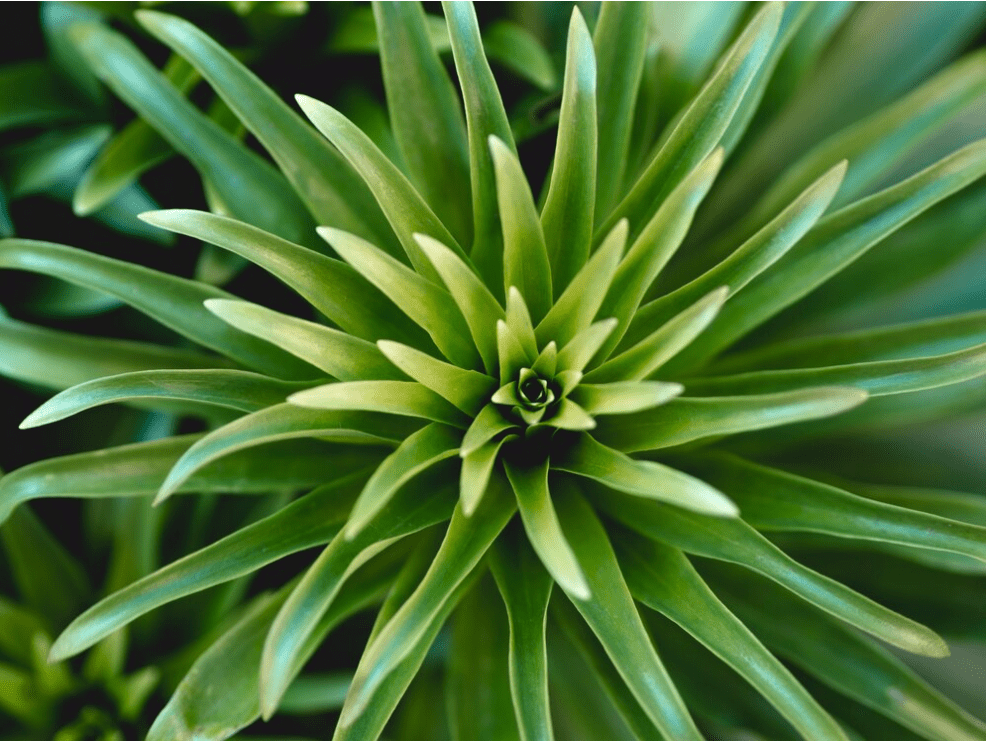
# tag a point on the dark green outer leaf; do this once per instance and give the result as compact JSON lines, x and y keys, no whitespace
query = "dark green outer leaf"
{"x":330,"y":285}
{"x":516,"y":48}
{"x":334,"y":194}
{"x":175,"y":302}
{"x":312,"y":520}
{"x":485,"y":117}
{"x":526,"y":588}
{"x":241,"y":390}
{"x":32,"y":93}
{"x":247,"y":184}
{"x":620,"y":40}
{"x":567,"y":214}
{"x":426,"y":114}
{"x":685,"y":419}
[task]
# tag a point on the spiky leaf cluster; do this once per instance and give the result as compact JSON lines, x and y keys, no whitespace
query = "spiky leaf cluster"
{"x":546,"y":390}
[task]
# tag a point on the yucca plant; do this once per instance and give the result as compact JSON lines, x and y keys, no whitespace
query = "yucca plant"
{"x":530,"y":420}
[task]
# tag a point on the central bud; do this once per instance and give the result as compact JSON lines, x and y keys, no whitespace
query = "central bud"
{"x":533,"y":391}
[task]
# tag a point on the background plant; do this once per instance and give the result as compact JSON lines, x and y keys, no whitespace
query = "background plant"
{"x":469,"y":323}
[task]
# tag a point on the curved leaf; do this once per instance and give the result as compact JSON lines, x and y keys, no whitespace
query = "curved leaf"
{"x":530,"y":485}
{"x":175,"y":302}
{"x":583,"y":347}
{"x":624,"y":397}
{"x":425,"y":112}
{"x":567,"y":214}
{"x":488,"y":424}
{"x":648,"y":479}
{"x":732,"y":540}
{"x":685,"y":419}
{"x":247,"y":392}
{"x":333,"y":193}
{"x":281,"y":422}
{"x":466,"y":389}
{"x":329,"y":285}
{"x":407,"y":398}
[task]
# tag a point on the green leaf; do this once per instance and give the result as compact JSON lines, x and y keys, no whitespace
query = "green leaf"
{"x":518,"y":319}
{"x":330,"y":285}
{"x":911,"y":340}
{"x":850,"y":663}
{"x":525,"y":254}
{"x":408,"y":512}
{"x":586,"y":457}
{"x":624,"y":397}
{"x":702,"y":125}
{"x":339,"y":354}
{"x":418,"y":452}
{"x":310,"y":521}
{"x":58,"y":360}
{"x":489,"y":423}
{"x":247,"y":184}
{"x":685,"y":419}
{"x":333,"y":193}
{"x":46,"y":162}
{"x":282,"y":422}
{"x":33,"y":94}
{"x":663,"y":579}
{"x":620,"y":41}
{"x":477,"y":679}
{"x":421,"y":299}
{"x":248,"y":392}
{"x":579,"y":303}
{"x":835,"y":242}
{"x":405,"y":209}
{"x":513,"y":356}
{"x":647,"y":356}
{"x":137,"y":470}
{"x":467,"y":540}
{"x":611,"y":614}
{"x":466,"y":389}
{"x":50,"y":581}
{"x":479,"y":307}
{"x":732,"y":540}
{"x":407,"y":398}
{"x":655,"y":245}
{"x":174,"y":302}
{"x":19,"y":626}
{"x":567,"y":214}
{"x":425,"y":112}
{"x":752,"y":257}
{"x":878,"y":378}
{"x":526,"y":588}
{"x":530,"y":485}
{"x":313,"y":694}
{"x":584,"y":346}
{"x":513,"y":46}
{"x":485,"y":117}
{"x":774,"y":500}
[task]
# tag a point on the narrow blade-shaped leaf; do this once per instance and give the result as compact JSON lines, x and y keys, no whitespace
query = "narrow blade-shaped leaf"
{"x":648,"y":479}
{"x":254,"y":190}
{"x":333,"y":193}
{"x":518,"y":319}
{"x":477,"y":468}
{"x":732,"y":540}
{"x":663,"y":579}
{"x":485,"y":117}
{"x":330,"y":285}
{"x":407,"y":398}
{"x":284,"y":422}
{"x":421,"y":299}
{"x":339,"y":354}
{"x":405,"y":209}
{"x":580,"y":301}
{"x":584,"y":346}
{"x":613,"y":617}
{"x":175,"y":302}
{"x":479,"y":307}
{"x":425,"y":112}
{"x":567,"y":214}
{"x":525,"y":255}
{"x":240,"y":390}
{"x":468,"y":390}
{"x":420,"y":451}
{"x":530,"y":485}
{"x":685,"y":419}
{"x":408,"y":512}
{"x":489,"y":423}
{"x":466,"y":542}
{"x":526,"y":588}
{"x":624,"y":397}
